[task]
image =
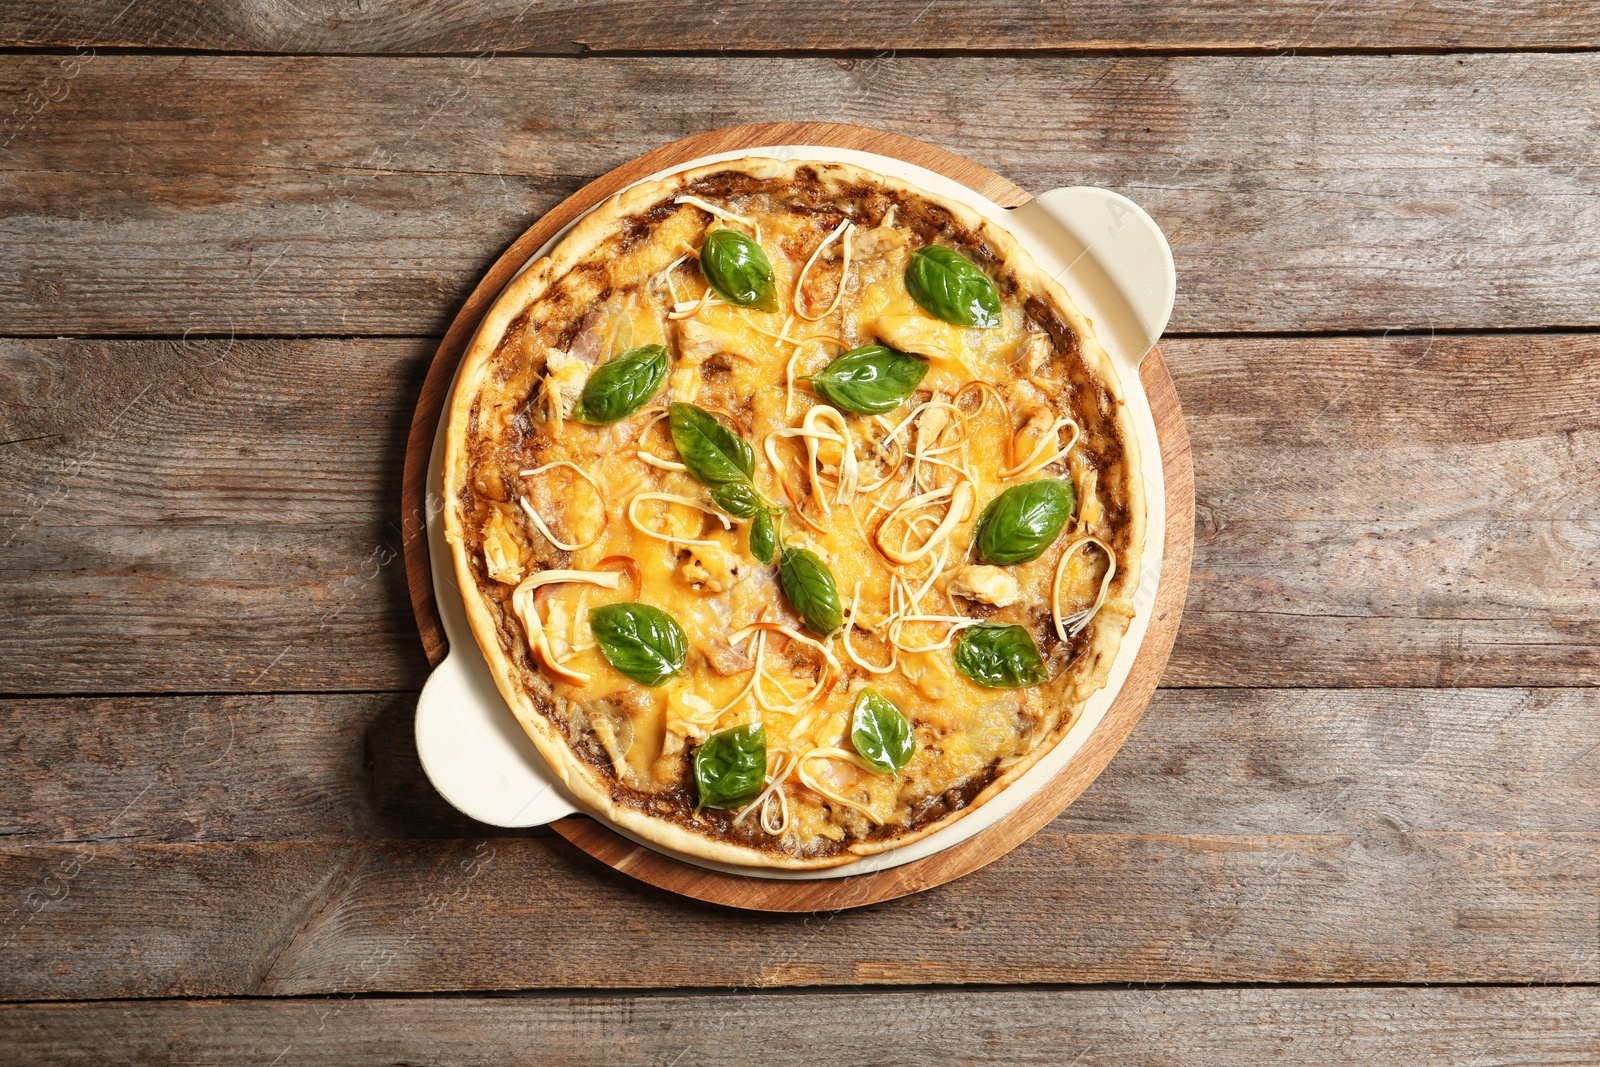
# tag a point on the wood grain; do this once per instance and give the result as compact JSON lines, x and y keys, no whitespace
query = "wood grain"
{"x":206,"y":431}
{"x":343,"y":195}
{"x":216,"y":768}
{"x":1495,"y":1027}
{"x":1383,"y":906}
{"x":594,"y":28}
{"x":207,"y":608}
{"x":1439,"y":603}
{"x":338,"y":766}
{"x":1319,"y":429}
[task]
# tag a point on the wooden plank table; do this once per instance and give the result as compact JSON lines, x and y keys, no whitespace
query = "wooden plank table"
{"x":1360,"y":822}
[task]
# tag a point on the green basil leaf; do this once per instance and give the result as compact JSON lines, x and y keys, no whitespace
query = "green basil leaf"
{"x":870,"y":380}
{"x":809,"y":585}
{"x":763,"y":537}
{"x":1019,"y":524}
{"x":738,"y":499}
{"x":714,"y":454}
{"x":1000,"y":656}
{"x":741,"y":499}
{"x":730,"y":769}
{"x":622,"y":386}
{"x":881,"y":735}
{"x":642,"y":642}
{"x":951,"y":287}
{"x":736,"y":267}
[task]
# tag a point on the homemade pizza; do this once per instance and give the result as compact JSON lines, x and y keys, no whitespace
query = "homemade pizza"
{"x":796,"y":511}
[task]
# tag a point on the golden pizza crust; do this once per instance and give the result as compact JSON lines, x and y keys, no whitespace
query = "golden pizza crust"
{"x":585,"y":780}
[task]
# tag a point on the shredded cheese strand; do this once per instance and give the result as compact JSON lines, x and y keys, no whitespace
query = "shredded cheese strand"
{"x":755,"y":675}
{"x":910,"y":611}
{"x":580,"y":625}
{"x":824,"y":679}
{"x":937,"y":403}
{"x":764,"y":703}
{"x":847,"y":229}
{"x":711,"y":209}
{"x":926,"y":448}
{"x":775,"y":827}
{"x":933,"y":574}
{"x":793,"y":707}
{"x":957,"y":623}
{"x":798,"y":341}
{"x":686,"y":310}
{"x":986,"y":392}
{"x":791,"y":633}
{"x":774,"y":785}
{"x":783,"y":335}
{"x":1033,"y":463}
{"x":817,"y":787}
{"x":1073,"y":625}
{"x":650,"y":458}
{"x":892,"y":467}
{"x":849,"y":650}
{"x":792,"y":497}
{"x":673,"y":498}
{"x":658,"y":463}
{"x":523,"y":606}
{"x":923,"y":450}
{"x":533,"y":514}
{"x":961,"y":498}
{"x":848,"y":474}
{"x":666,"y":272}
{"x":960,"y":468}
{"x":755,"y":687}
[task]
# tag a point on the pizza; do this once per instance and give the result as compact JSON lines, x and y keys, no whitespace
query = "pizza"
{"x":796,"y":511}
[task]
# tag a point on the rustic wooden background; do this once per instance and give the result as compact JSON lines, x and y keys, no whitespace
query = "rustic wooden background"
{"x":1361,"y":822}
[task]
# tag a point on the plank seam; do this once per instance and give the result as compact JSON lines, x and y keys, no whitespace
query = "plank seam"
{"x":1123,"y":50}
{"x":592,"y":993}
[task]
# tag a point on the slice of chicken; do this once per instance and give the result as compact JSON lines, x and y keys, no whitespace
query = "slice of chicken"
{"x":698,"y":341}
{"x":724,"y":658}
{"x":1090,"y":511}
{"x":1032,"y":352}
{"x":988,"y":584}
{"x":502,"y":550}
{"x":564,"y":378}
{"x":878,"y":241}
{"x":927,"y":672}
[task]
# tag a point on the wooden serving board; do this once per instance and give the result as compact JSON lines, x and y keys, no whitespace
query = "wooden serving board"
{"x":824,"y":894}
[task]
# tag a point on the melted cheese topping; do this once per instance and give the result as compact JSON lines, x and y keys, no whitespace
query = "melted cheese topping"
{"x":888,"y":502}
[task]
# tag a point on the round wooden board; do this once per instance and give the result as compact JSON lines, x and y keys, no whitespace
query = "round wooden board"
{"x":823,"y":894}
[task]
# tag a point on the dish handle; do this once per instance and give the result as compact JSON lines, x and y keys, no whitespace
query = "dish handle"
{"x":1113,"y":260}
{"x":476,"y":754}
